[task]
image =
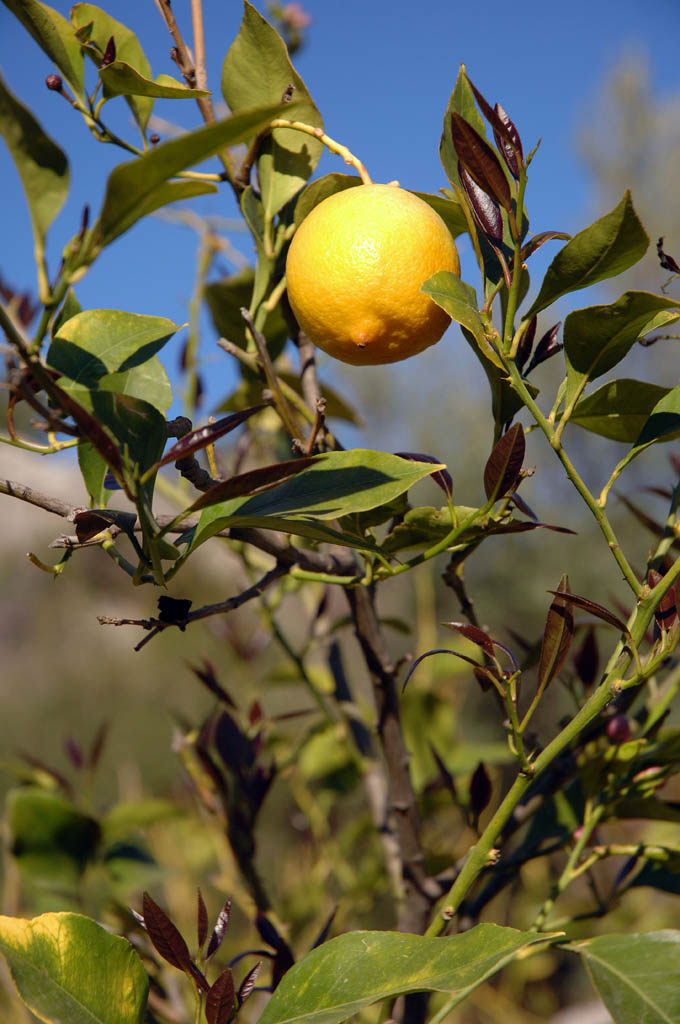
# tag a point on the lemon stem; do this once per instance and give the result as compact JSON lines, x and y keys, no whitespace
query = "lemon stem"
{"x":331,"y":144}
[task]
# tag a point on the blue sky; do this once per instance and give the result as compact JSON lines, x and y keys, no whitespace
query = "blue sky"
{"x":381,"y":73}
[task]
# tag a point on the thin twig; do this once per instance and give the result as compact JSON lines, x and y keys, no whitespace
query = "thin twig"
{"x":157,"y":626}
{"x":199,"y":46}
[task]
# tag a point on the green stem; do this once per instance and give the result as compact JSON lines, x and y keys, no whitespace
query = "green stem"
{"x":480,"y":854}
{"x":513,"y":296}
{"x":571,"y":869}
{"x":571,"y":471}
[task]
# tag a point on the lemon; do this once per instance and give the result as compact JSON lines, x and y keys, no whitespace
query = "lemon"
{"x":354,"y":271}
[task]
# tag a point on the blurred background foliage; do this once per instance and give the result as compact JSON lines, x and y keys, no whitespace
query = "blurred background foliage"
{"x":64,"y":677}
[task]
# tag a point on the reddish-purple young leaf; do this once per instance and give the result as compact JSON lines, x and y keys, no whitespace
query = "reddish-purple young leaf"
{"x":268,"y":931}
{"x":521,"y":504}
{"x":665,"y":613}
{"x":219,"y":930}
{"x":248,"y":983}
{"x":323,"y":934}
{"x":203,"y":436}
{"x":480,"y":790}
{"x":283,"y":961}
{"x":253,"y":480}
{"x":667,"y":262}
{"x":536,"y":241}
{"x":548,"y":346}
{"x":164,"y":936}
{"x":503,"y":466}
{"x":199,"y":978}
{"x":508,"y":141}
{"x":526,"y":344}
{"x":473,"y":633}
{"x":487,"y":212}
{"x":207,"y":676}
{"x":587,"y":659}
{"x":88,"y":524}
{"x":97,"y":746}
{"x":598,"y":610}
{"x":557,"y":636}
{"x":505,"y":133}
{"x":74,"y":752}
{"x":480,"y":161}
{"x":675,"y":463}
{"x":109,"y":53}
{"x":201,"y":919}
{"x":35,"y":762}
{"x":441,"y":477}
{"x":221,"y":999}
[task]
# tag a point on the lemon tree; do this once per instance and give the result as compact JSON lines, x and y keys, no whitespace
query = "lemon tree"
{"x":413,"y":829}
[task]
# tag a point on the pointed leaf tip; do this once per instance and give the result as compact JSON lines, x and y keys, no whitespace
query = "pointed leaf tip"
{"x":503,"y":466}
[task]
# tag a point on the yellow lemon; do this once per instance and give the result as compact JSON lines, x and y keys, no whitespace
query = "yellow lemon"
{"x":354,"y":271}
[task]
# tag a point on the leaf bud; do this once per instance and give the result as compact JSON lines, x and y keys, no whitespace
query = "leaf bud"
{"x":54,"y":83}
{"x":154,"y":138}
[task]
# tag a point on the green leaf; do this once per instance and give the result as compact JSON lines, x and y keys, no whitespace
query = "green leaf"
{"x":42,"y":166}
{"x":636,"y":976}
{"x":619,"y":409}
{"x":93,"y":468}
{"x":598,"y":337}
{"x":256,"y":71}
{"x":55,"y":36}
{"x":319,"y":190}
{"x":664,"y":419}
{"x":462,"y":101}
{"x":339,"y":484}
{"x":347,"y":974}
{"x":139,"y":186}
{"x":608,"y":247}
{"x":66,"y":967}
{"x":460,"y":302}
{"x":448,"y":209}
{"x":134,"y":424}
{"x":100,"y":27}
{"x":52,"y":840}
{"x":120,"y":79}
{"x":225,"y":299}
{"x":105,"y":341}
{"x":149,"y":382}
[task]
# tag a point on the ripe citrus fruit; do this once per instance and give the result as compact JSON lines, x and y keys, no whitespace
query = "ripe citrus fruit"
{"x":354,"y":271}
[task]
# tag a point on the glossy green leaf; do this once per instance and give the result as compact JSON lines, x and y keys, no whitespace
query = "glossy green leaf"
{"x":598,"y":337}
{"x":460,"y":301}
{"x":611,"y":245}
{"x":257,"y":71}
{"x":448,"y":209}
{"x":98,"y":27}
{"x":321,"y":189}
{"x":636,"y":976}
{"x":105,"y":341}
{"x":120,"y":79}
{"x":462,"y":101}
{"x":55,"y":36}
{"x":347,"y":974}
{"x":140,"y":186}
{"x":133,"y":424}
{"x":42,"y":166}
{"x":149,"y":382}
{"x":67,"y":968}
{"x":339,"y":484}
{"x":618,"y":409}
{"x":664,"y":419}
